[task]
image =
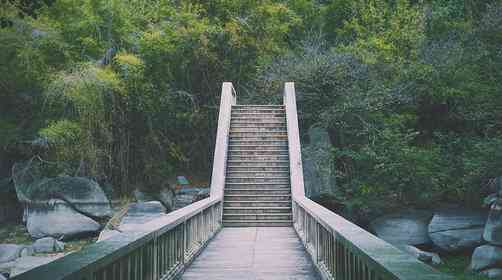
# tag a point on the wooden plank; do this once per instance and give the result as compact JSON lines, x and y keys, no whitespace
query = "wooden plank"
{"x":253,"y":253}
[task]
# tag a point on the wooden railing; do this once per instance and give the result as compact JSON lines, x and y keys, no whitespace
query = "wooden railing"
{"x":340,"y":249}
{"x":160,"y":249}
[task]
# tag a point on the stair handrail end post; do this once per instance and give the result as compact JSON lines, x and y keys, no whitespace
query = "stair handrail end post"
{"x":295,"y":156}
{"x":227,"y":100}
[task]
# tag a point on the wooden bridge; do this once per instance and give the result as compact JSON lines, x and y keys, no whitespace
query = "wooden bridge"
{"x":256,"y":224}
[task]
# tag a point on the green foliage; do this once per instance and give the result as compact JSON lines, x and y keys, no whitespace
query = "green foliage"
{"x":127,"y":91}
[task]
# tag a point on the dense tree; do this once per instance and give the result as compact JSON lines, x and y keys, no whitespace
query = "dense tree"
{"x":127,"y":91}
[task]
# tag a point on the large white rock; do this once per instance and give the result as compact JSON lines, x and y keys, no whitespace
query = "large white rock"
{"x":409,"y":227}
{"x":47,"y":245}
{"x":83,"y":194}
{"x":455,"y":230}
{"x":486,"y":256}
{"x":60,"y":221}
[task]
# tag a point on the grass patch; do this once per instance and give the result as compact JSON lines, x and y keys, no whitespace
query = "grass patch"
{"x":14,"y":234}
{"x":18,"y":234}
{"x":456,"y":266}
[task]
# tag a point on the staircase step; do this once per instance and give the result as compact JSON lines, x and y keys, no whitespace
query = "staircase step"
{"x":256,"y":210}
{"x":257,"y":174}
{"x":256,"y":203}
{"x":261,"y":122}
{"x":253,"y":180}
{"x":257,"y":157}
{"x":257,"y":147}
{"x":257,"y":163}
{"x":258,"y":138}
{"x":258,"y":197}
{"x":257,"y":223}
{"x":258,"y":111}
{"x":229,"y":185}
{"x":258,"y":153}
{"x":256,"y":191}
{"x":254,"y":126}
{"x":258,"y":216}
{"x":261,"y":116}
{"x":240,"y":168}
{"x":236,"y":118}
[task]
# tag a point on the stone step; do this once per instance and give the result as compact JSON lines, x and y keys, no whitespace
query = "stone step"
{"x":256,"y":210}
{"x":257,"y":138}
{"x":262,"y":115}
{"x":252,"y":163}
{"x":256,"y":203}
{"x":232,"y":157}
{"x":258,"y":191}
{"x":258,"y":152}
{"x":258,"y":197}
{"x":237,"y":168}
{"x":259,"y":122}
{"x":254,"y":119}
{"x":255,"y":110}
{"x":258,"y":106}
{"x":258,"y":216}
{"x":281,"y":141}
{"x":257,"y":132}
{"x":257,"y":174}
{"x":257,"y":129}
{"x":257,"y":147}
{"x":257,"y":185}
{"x":253,"y":180}
{"x":257,"y":223}
{"x":261,"y":126}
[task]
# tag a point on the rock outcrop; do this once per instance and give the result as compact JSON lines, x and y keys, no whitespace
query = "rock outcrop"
{"x":47,"y":245}
{"x":59,"y":220}
{"x":408,"y":227}
{"x":455,"y":230}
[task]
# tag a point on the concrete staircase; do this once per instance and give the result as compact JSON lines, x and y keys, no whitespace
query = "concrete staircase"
{"x":257,"y":186}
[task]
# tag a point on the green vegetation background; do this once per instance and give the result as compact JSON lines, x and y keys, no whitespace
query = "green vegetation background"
{"x":127,"y":91}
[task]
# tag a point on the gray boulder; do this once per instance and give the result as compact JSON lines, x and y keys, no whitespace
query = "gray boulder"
{"x":59,"y":220}
{"x":48,"y":245}
{"x":85,"y":195}
{"x":486,"y":256}
{"x":410,"y":227}
{"x":426,"y":257}
{"x":10,"y":252}
{"x":455,"y":230}
{"x":140,"y":213}
{"x":493,"y":228}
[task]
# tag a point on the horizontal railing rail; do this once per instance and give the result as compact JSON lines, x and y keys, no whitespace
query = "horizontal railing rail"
{"x":162,"y":248}
{"x":159,"y":249}
{"x":340,"y":249}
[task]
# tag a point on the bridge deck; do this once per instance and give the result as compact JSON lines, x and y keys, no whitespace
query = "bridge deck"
{"x":253,"y":253}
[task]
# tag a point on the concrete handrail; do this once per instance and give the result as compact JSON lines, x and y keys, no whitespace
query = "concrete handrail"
{"x":340,"y":249}
{"x":228,"y":98}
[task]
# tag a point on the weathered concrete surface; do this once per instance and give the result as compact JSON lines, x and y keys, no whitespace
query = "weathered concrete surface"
{"x":253,"y":253}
